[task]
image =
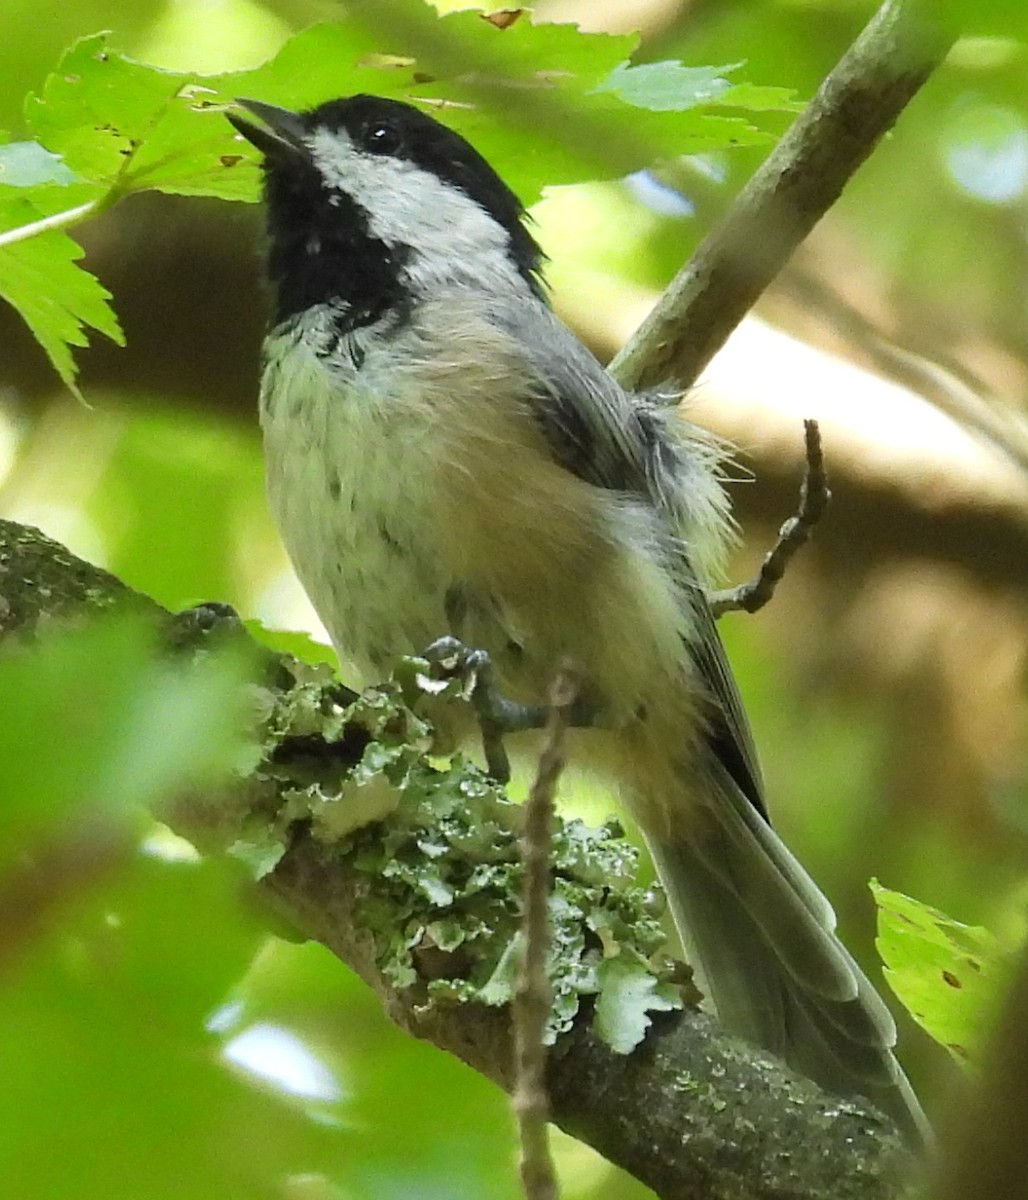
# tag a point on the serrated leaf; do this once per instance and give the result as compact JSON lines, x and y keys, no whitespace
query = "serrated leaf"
{"x":96,"y":107}
{"x":568,"y":129}
{"x":128,"y":125}
{"x":27,"y":164}
{"x":319,"y":63}
{"x":628,"y":993}
{"x":545,"y":80}
{"x":947,"y":974}
{"x":56,"y":298}
{"x":131,"y":126}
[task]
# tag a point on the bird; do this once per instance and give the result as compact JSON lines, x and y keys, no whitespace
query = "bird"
{"x":445,"y":459}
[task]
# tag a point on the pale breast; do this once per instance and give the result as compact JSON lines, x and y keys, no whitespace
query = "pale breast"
{"x":348,"y":478}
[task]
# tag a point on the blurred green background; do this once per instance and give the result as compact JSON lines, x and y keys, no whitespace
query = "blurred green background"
{"x":155,"y":1040}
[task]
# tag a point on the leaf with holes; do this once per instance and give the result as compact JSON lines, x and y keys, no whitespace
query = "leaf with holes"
{"x":130,"y":126}
{"x":947,"y":974}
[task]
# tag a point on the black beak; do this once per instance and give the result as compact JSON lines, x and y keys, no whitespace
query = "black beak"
{"x":279,"y":136}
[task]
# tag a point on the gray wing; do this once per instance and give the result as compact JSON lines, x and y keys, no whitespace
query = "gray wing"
{"x":601,"y":433}
{"x":628,"y":442}
{"x":755,"y":921}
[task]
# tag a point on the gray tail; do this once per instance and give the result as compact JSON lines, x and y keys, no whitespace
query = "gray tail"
{"x":761,"y":936}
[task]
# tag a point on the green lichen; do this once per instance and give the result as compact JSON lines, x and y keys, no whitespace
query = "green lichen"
{"x":436,"y":851}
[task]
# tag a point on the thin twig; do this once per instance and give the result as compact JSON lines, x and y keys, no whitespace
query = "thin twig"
{"x":533,"y":999}
{"x":814,"y":498}
{"x":795,"y":186}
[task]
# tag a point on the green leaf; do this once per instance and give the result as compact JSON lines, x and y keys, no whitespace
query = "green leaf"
{"x":319,"y":63}
{"x":289,"y":641}
{"x":666,"y":86}
{"x":628,"y":993}
{"x":565,"y":126}
{"x":97,"y":720}
{"x":103,"y":1039}
{"x":758,"y":98}
{"x":670,"y":87}
{"x":56,"y":298}
{"x":121,"y":126}
{"x":947,"y":974}
{"x":130,"y":126}
{"x":26,"y":164}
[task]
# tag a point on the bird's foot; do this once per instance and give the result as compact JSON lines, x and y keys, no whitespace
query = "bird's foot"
{"x":497,"y":716}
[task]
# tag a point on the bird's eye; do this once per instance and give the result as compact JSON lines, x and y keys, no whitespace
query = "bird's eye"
{"x":382,"y":137}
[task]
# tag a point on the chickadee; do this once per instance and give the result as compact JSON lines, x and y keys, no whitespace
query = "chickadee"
{"x":444,"y":457}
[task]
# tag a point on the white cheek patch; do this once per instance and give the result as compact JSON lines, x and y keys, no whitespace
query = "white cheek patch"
{"x":451,"y":236}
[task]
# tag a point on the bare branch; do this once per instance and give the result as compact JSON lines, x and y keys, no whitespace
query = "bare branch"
{"x":796,"y":185}
{"x":814,"y":498}
{"x":534,"y":998}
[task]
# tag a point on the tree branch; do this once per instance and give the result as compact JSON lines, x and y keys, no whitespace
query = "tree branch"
{"x":691,"y":1112}
{"x":796,"y":185}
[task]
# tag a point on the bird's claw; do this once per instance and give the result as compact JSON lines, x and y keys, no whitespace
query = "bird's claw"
{"x":497,"y":716}
{"x":453,"y":662}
